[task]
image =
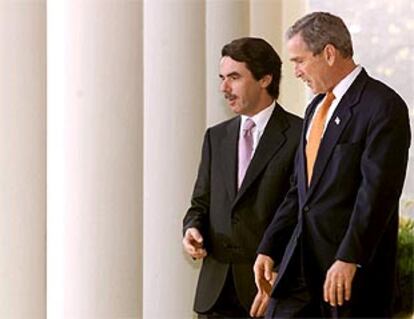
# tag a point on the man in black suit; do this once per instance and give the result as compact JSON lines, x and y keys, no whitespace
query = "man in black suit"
{"x":234,"y":201}
{"x":334,"y":238}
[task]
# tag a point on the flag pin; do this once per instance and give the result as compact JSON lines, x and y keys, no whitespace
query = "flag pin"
{"x":337,"y":120}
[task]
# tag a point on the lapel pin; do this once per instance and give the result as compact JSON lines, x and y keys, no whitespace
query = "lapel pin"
{"x":337,"y":120}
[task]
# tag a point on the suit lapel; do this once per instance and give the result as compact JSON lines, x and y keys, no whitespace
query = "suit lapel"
{"x":336,"y":126}
{"x":229,"y":156}
{"x":270,"y":142}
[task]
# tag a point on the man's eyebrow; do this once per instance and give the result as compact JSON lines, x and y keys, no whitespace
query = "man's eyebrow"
{"x":230,"y":74}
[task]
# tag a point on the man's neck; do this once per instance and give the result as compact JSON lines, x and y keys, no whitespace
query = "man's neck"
{"x":343,"y":69}
{"x":261,"y":105}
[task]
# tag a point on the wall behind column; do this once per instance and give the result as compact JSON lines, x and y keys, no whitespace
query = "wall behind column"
{"x":292,"y":90}
{"x":266,"y":21}
{"x":270,"y":19}
{"x":23,"y":159}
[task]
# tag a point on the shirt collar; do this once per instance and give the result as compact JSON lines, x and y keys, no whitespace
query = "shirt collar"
{"x":343,"y":86}
{"x":261,"y":118}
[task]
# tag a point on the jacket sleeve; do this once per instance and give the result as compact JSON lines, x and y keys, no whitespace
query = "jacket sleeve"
{"x":197,"y":214}
{"x":279,"y":231}
{"x":383,"y":168}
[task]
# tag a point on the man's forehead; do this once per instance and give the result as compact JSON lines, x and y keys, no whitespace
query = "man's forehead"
{"x":297,"y":43}
{"x":298,"y":49}
{"x":228,"y":60}
{"x":227,"y":64}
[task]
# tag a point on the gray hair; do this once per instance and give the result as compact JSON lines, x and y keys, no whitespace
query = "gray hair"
{"x":321,"y":28}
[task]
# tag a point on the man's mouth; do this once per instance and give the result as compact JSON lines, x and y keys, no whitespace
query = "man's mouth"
{"x":307,"y":82}
{"x":230,"y":97}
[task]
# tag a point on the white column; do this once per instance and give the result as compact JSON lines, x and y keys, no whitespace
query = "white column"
{"x":23,"y":159}
{"x":293,"y":91}
{"x":174,"y":121}
{"x":94,"y":159}
{"x":225,"y":21}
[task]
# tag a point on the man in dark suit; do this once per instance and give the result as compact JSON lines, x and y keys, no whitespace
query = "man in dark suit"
{"x":243,"y":177}
{"x":334,"y":238}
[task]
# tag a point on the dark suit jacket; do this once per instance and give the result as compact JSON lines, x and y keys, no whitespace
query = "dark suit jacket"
{"x":232,"y":222}
{"x":350,"y":211}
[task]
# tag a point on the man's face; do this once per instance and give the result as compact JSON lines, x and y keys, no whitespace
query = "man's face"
{"x":311,"y":69}
{"x":241,"y":90}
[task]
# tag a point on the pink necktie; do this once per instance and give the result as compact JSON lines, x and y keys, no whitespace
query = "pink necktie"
{"x":245,"y":149}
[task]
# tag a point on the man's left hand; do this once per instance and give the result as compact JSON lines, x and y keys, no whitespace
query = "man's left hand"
{"x":338,"y":283}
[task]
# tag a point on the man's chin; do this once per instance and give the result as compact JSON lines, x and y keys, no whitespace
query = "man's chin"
{"x":311,"y":88}
{"x":234,"y":109}
{"x":315,"y":91}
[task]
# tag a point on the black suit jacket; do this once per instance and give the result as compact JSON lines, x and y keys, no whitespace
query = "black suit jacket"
{"x":350,"y":210}
{"x":232,"y":222}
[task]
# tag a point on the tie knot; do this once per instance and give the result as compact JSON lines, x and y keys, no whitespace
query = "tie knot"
{"x":326,"y":104}
{"x":248,"y":125}
{"x":329,"y":98}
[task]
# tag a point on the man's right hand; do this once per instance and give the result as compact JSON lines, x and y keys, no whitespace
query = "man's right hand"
{"x":193,"y":243}
{"x":263,"y":273}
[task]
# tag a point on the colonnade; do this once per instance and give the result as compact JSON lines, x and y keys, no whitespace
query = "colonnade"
{"x":103,"y":106}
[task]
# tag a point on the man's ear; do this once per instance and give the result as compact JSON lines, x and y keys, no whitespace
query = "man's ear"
{"x":265,"y":81}
{"x":330,"y":53}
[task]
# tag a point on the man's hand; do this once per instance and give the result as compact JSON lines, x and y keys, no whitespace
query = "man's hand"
{"x":262,"y":299}
{"x":193,"y":243}
{"x":338,"y":283}
{"x":263,"y":268}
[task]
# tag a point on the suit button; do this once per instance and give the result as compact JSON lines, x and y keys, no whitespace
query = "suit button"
{"x":306,"y":209}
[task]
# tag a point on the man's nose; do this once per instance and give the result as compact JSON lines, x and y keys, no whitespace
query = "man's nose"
{"x":298,"y":72}
{"x":224,"y":86}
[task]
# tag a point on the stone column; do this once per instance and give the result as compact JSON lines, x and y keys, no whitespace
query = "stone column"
{"x":95,"y":159}
{"x":174,"y":122}
{"x":23,"y":159}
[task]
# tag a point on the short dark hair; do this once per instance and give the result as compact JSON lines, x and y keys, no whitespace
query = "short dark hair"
{"x":321,"y":28}
{"x":260,"y":58}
